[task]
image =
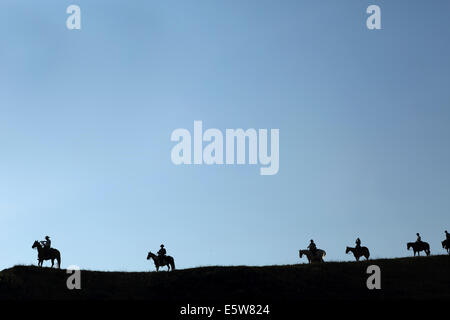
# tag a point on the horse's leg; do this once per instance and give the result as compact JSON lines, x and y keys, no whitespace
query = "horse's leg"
{"x":53,"y":262}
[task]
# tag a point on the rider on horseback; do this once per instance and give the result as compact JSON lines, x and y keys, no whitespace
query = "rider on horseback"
{"x":419,"y":239}
{"x":447,"y":235}
{"x":358,"y":243}
{"x":46,"y":244}
{"x":162,"y":253}
{"x":312,"y":247}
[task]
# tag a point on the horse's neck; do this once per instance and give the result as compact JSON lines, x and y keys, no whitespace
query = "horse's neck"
{"x":41,"y":251}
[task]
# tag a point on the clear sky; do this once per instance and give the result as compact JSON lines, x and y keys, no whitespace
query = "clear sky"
{"x":86,"y":118}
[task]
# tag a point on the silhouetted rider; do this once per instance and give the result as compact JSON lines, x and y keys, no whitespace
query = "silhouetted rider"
{"x":419,"y":239}
{"x":358,"y":243}
{"x":312,"y":247}
{"x":162,"y":253}
{"x":447,"y":235}
{"x":46,"y":243}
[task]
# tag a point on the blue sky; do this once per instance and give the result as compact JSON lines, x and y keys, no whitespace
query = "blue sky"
{"x":86,"y":118}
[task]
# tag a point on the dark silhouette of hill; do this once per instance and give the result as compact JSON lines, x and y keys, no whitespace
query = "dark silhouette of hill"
{"x":403,"y":278}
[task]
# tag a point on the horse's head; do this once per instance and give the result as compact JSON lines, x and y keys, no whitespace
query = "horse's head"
{"x":443,"y":244}
{"x":35,"y":245}
{"x":347,"y":250}
{"x":409,"y":245}
{"x":150,"y":255}
{"x":300,"y":253}
{"x":304,"y":252}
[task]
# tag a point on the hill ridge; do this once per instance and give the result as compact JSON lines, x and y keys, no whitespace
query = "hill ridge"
{"x":401,"y":278}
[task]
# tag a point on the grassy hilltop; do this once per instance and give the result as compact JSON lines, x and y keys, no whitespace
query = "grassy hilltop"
{"x":404,"y":278}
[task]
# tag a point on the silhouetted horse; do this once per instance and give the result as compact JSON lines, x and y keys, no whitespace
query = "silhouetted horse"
{"x":168,"y":261}
{"x":446,"y":246}
{"x":419,"y":246}
{"x":358,"y":253}
{"x":47,"y":254}
{"x":318,"y":257}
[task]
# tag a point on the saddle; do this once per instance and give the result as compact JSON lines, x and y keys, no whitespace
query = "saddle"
{"x":46,"y":250}
{"x":162,"y":260}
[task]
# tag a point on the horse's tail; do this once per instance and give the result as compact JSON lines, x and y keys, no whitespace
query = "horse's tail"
{"x":368,"y":252}
{"x":58,"y":258}
{"x":172,"y":263}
